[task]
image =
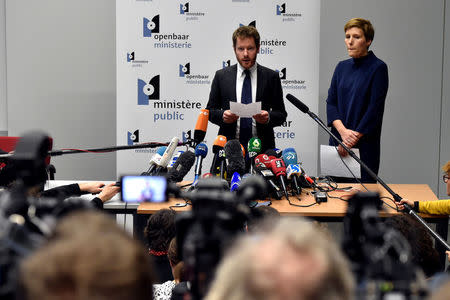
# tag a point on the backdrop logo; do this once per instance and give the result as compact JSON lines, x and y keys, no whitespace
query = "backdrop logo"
{"x":185,"y":70}
{"x":132,"y":137}
{"x":163,"y":40}
{"x":252,"y":23}
{"x":131,"y":58}
{"x":287,"y":17}
{"x":281,"y":9}
{"x":282,"y":73}
{"x":150,"y":27}
{"x":184,"y":8}
{"x":148,"y":91}
{"x":186,"y":136}
{"x":198,"y":79}
{"x":290,"y":83}
{"x":226,"y":64}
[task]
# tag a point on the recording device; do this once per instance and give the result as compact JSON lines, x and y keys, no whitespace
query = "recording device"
{"x":320,"y":196}
{"x":293,"y":170}
{"x":174,"y":159}
{"x":135,"y":189}
{"x":254,"y":148}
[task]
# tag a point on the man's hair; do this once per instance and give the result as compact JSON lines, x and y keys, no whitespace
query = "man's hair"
{"x":246,"y":32}
{"x":446,"y":167}
{"x":99,"y":264}
{"x":364,"y":25}
{"x":245,"y":272}
{"x":160,"y":229}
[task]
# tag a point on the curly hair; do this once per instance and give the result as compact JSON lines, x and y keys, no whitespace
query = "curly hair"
{"x":423,"y":253}
{"x":160,"y":229}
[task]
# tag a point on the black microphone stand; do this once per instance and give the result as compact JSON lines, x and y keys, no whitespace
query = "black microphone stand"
{"x":302,"y":107}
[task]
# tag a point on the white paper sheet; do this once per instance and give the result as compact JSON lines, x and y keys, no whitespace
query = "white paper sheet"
{"x":245,"y":110}
{"x":331,"y":163}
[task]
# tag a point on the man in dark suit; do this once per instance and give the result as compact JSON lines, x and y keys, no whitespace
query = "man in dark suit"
{"x":247,"y":82}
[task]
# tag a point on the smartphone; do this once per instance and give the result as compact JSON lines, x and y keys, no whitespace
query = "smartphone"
{"x":135,"y":188}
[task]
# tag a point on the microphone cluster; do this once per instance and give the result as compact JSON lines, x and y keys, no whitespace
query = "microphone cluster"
{"x":279,"y":168}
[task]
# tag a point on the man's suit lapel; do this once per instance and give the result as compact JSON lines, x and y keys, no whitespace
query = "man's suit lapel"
{"x":232,"y":79}
{"x":259,"y":83}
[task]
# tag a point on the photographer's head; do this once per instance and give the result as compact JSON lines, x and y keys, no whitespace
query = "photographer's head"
{"x":446,"y":176}
{"x":102,"y":263}
{"x":294,"y":260}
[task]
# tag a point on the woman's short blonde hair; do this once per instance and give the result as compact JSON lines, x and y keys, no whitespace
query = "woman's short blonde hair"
{"x":446,"y":167}
{"x":362,"y":24}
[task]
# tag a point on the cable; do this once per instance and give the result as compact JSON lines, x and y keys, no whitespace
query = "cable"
{"x":125,"y":217}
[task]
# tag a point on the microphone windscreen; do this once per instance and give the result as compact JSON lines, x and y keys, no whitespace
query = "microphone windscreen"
{"x":219,"y":143}
{"x":297,"y":103}
{"x":201,"y":150}
{"x":289,"y":158}
{"x":201,"y":126}
{"x":169,"y":152}
{"x":235,"y":181}
{"x":181,"y":167}
{"x":254,"y":147}
{"x":234,"y":158}
{"x":161,"y":150}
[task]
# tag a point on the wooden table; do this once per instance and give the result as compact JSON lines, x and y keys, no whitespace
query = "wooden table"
{"x":331,"y":211}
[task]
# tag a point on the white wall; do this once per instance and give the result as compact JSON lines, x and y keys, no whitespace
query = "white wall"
{"x":3,"y":113}
{"x":61,"y":79}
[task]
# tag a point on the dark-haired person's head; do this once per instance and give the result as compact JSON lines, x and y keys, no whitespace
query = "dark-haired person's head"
{"x":160,"y":229}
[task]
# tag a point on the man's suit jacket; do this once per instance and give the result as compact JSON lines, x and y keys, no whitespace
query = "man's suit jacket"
{"x":268,"y":91}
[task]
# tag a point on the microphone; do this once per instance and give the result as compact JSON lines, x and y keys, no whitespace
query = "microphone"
{"x":167,"y":155}
{"x":279,"y":169}
{"x":201,"y":126}
{"x":223,"y":163}
{"x":272,"y":153}
{"x":235,"y":181}
{"x":174,"y":159}
{"x":254,"y":148}
{"x":218,"y":145}
{"x":181,"y":167}
{"x":263,"y":159}
{"x":297,"y":103}
{"x":234,"y":158}
{"x":262,"y":170}
{"x":154,"y":161}
{"x":200,"y":153}
{"x":293,"y":168}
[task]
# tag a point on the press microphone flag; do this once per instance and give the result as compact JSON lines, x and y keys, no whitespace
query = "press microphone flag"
{"x":302,"y":107}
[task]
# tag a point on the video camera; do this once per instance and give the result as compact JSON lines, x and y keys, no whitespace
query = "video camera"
{"x":380,"y":255}
{"x":25,"y":221}
{"x":205,"y":232}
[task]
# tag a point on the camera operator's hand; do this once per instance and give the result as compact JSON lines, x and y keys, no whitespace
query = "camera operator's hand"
{"x":93,"y":187}
{"x":400,"y":205}
{"x":108,"y":192}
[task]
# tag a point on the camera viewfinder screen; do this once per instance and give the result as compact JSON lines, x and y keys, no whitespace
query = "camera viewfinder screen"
{"x":144,"y":189}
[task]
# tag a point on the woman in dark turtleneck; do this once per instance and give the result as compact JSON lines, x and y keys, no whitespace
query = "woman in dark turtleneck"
{"x":356,"y":97}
